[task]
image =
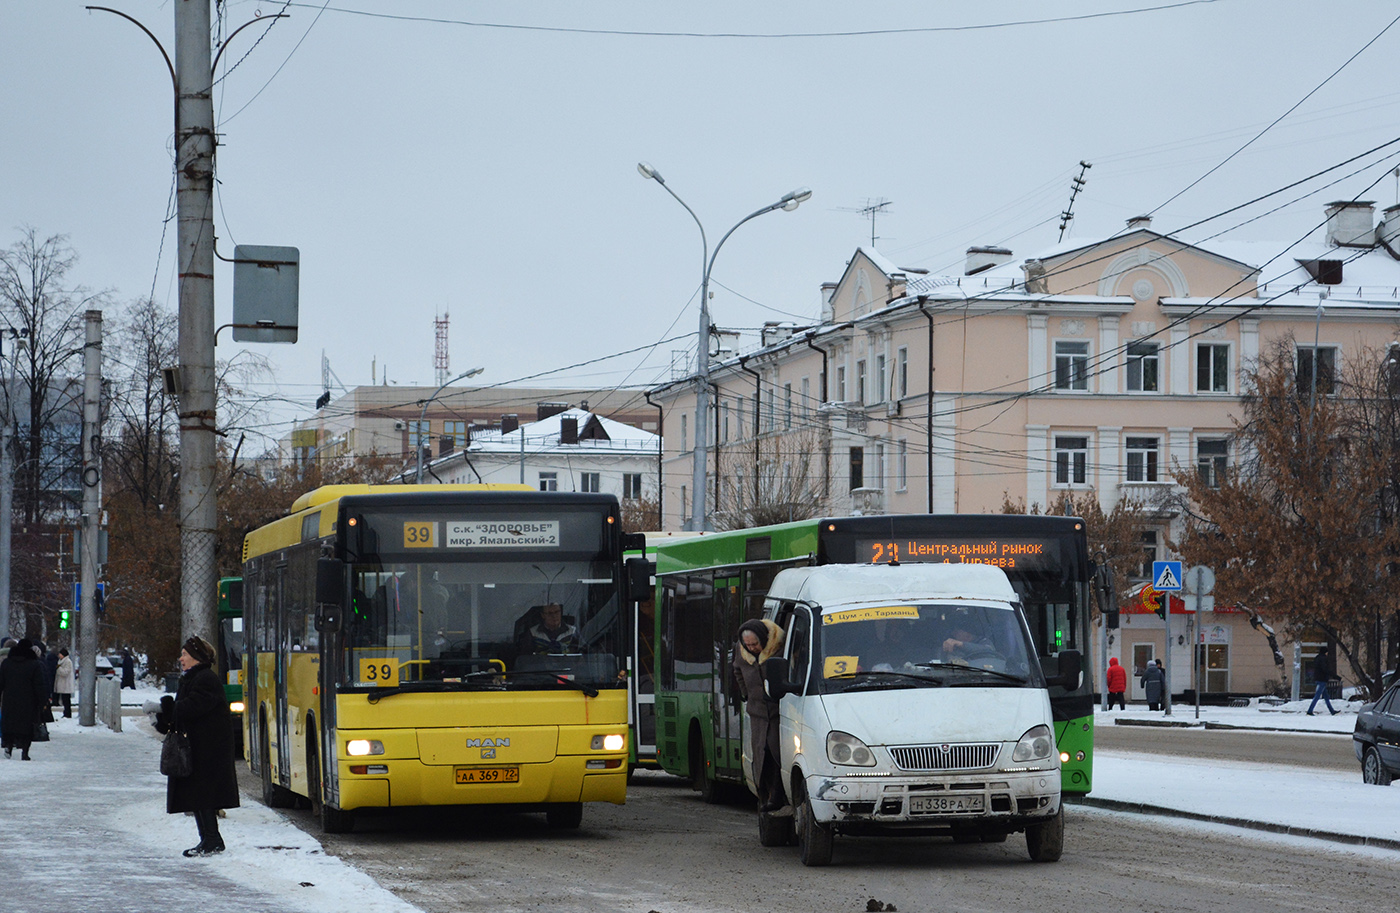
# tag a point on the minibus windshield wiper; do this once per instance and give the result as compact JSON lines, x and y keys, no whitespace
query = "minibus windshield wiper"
{"x":851,"y":676}
{"x":1019,"y":679}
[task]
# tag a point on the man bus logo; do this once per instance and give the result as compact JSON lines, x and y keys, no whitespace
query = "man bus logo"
{"x":488,"y":743}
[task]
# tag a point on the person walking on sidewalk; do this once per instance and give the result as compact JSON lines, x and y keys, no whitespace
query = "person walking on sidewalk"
{"x":1116,"y":681}
{"x":1153,"y":680}
{"x":199,"y":709}
{"x":1322,"y":673}
{"x":63,"y":682}
{"x":22,"y":698}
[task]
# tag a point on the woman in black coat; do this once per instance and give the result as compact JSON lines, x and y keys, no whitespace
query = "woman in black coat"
{"x":199,"y":709}
{"x":23,"y":697}
{"x":758,"y":641}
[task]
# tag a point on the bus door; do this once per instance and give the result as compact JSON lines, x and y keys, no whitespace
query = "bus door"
{"x":643,"y":677}
{"x":283,"y":634}
{"x":727,"y":707}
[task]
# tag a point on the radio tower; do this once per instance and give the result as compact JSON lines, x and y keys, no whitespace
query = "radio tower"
{"x":440,"y":358}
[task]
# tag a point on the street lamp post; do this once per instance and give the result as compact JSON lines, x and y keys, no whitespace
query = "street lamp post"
{"x":699,"y":519}
{"x":418,"y":476}
{"x":7,"y":478}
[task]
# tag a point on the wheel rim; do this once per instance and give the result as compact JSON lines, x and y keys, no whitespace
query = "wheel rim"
{"x":1371,"y":769}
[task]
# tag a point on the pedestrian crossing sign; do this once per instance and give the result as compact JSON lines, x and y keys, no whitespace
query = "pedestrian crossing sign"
{"x":1166,"y":576}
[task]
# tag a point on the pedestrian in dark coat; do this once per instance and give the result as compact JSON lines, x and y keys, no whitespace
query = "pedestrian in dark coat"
{"x":1322,"y":674}
{"x":1153,"y":680}
{"x":199,"y":709}
{"x":128,"y":670}
{"x":758,"y":641}
{"x":1116,"y":683}
{"x":23,"y":696}
{"x":50,"y":672}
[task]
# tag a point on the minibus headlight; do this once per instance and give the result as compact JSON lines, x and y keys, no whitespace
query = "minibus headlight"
{"x":847,"y":750}
{"x":611,"y":742}
{"x":1035,"y":745}
{"x":235,"y":707}
{"x":361,"y":747}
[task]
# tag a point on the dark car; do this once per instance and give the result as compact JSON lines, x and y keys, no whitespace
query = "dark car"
{"x":1377,"y":738}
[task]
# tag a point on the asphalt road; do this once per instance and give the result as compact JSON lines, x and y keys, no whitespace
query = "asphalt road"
{"x":1297,"y":749}
{"x":666,"y":851}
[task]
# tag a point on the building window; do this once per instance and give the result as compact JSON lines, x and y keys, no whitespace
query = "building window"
{"x":857,"y":468}
{"x":1211,"y":456}
{"x":902,"y":369}
{"x":1318,"y":363}
{"x":549,"y":481}
{"x":1149,"y":553}
{"x":879,"y":479}
{"x":771,"y":407}
{"x":902,"y":466}
{"x":631,"y":485}
{"x":739,"y":420}
{"x":1071,"y":366}
{"x":724,"y":422}
{"x":455,"y":433}
{"x":806,"y":408}
{"x":860,"y":381}
{"x":787,"y":406}
{"x":685,"y":505}
{"x":880,"y":387}
{"x":841,"y":383}
{"x":589,"y":481}
{"x":685,"y":432}
{"x":1142,"y":459}
{"x":1212,"y":369}
{"x":418,"y":434}
{"x":1071,"y":460}
{"x":1142,"y":367}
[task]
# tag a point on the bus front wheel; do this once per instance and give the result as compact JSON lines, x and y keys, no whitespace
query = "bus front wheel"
{"x":700,"y":780}
{"x":333,"y":820}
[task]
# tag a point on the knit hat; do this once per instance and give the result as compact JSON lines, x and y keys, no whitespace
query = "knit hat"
{"x":200,"y":650}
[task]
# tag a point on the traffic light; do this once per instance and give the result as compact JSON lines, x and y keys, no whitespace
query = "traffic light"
{"x":64,"y":616}
{"x":1161,"y":605}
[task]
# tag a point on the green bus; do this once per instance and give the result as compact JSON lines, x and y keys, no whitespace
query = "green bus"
{"x":707,"y":586}
{"x":231,"y":652}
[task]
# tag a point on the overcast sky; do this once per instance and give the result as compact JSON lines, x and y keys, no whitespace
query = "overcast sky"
{"x":448,"y":163}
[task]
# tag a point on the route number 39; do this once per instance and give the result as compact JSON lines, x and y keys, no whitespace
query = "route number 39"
{"x":418,"y":534}
{"x":382,"y":672}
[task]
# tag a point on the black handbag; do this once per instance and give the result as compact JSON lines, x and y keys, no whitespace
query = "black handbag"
{"x":176,"y":759}
{"x":41,"y":732}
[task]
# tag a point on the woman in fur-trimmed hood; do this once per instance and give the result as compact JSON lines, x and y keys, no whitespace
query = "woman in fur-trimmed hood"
{"x":758,"y":641}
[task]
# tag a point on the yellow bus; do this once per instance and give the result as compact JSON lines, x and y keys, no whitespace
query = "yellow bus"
{"x":438,"y":645}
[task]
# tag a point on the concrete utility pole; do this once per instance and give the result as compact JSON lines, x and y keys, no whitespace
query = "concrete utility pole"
{"x":7,"y":500}
{"x":92,"y":516}
{"x":194,"y":167}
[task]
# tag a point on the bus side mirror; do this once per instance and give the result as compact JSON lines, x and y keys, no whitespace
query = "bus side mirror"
{"x":1064,"y":669}
{"x":330,"y":593}
{"x":638,"y":579}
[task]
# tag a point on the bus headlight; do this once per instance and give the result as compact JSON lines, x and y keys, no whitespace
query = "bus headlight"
{"x":1035,"y":745}
{"x":235,"y":707}
{"x":610,"y":742}
{"x":847,"y":750}
{"x":361,"y":747}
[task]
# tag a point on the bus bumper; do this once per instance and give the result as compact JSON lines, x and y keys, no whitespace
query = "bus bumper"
{"x":403,"y":783}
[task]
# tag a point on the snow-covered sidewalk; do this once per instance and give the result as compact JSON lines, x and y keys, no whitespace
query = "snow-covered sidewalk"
{"x":83,"y":827}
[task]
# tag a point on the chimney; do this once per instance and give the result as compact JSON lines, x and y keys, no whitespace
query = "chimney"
{"x":1351,"y":223}
{"x":1388,"y":232}
{"x":828,"y":314}
{"x":509,"y":423}
{"x":568,"y":430}
{"x":583,"y":404}
{"x":776,"y":331}
{"x":446,"y":443}
{"x":981,"y":259}
{"x":1142,"y":221}
{"x":547,"y":410}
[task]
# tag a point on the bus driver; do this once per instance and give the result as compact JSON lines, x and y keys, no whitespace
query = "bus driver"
{"x":552,"y":634}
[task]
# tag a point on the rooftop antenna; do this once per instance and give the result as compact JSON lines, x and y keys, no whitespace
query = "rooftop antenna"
{"x":1076,"y":185}
{"x":441,"y":362}
{"x":869,"y":210}
{"x":326,"y":376}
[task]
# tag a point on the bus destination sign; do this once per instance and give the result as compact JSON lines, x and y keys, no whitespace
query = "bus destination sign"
{"x":502,"y":534}
{"x":1010,"y":553}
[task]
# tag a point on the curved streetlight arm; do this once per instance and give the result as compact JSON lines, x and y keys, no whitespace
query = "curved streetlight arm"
{"x":704,"y":243}
{"x":214,"y":67}
{"x":418,"y":476}
{"x":174,"y":83}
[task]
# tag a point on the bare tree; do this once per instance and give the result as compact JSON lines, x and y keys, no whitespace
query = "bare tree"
{"x":1303,"y":528}
{"x":775,"y":478}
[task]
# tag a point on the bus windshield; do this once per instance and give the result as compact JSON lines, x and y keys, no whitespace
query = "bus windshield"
{"x":922,"y":645}
{"x":524,"y":624}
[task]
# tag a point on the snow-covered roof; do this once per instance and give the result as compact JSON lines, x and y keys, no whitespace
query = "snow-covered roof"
{"x":606,"y":435}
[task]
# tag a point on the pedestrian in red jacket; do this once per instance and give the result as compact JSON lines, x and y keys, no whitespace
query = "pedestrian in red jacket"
{"x":1117,"y":683}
